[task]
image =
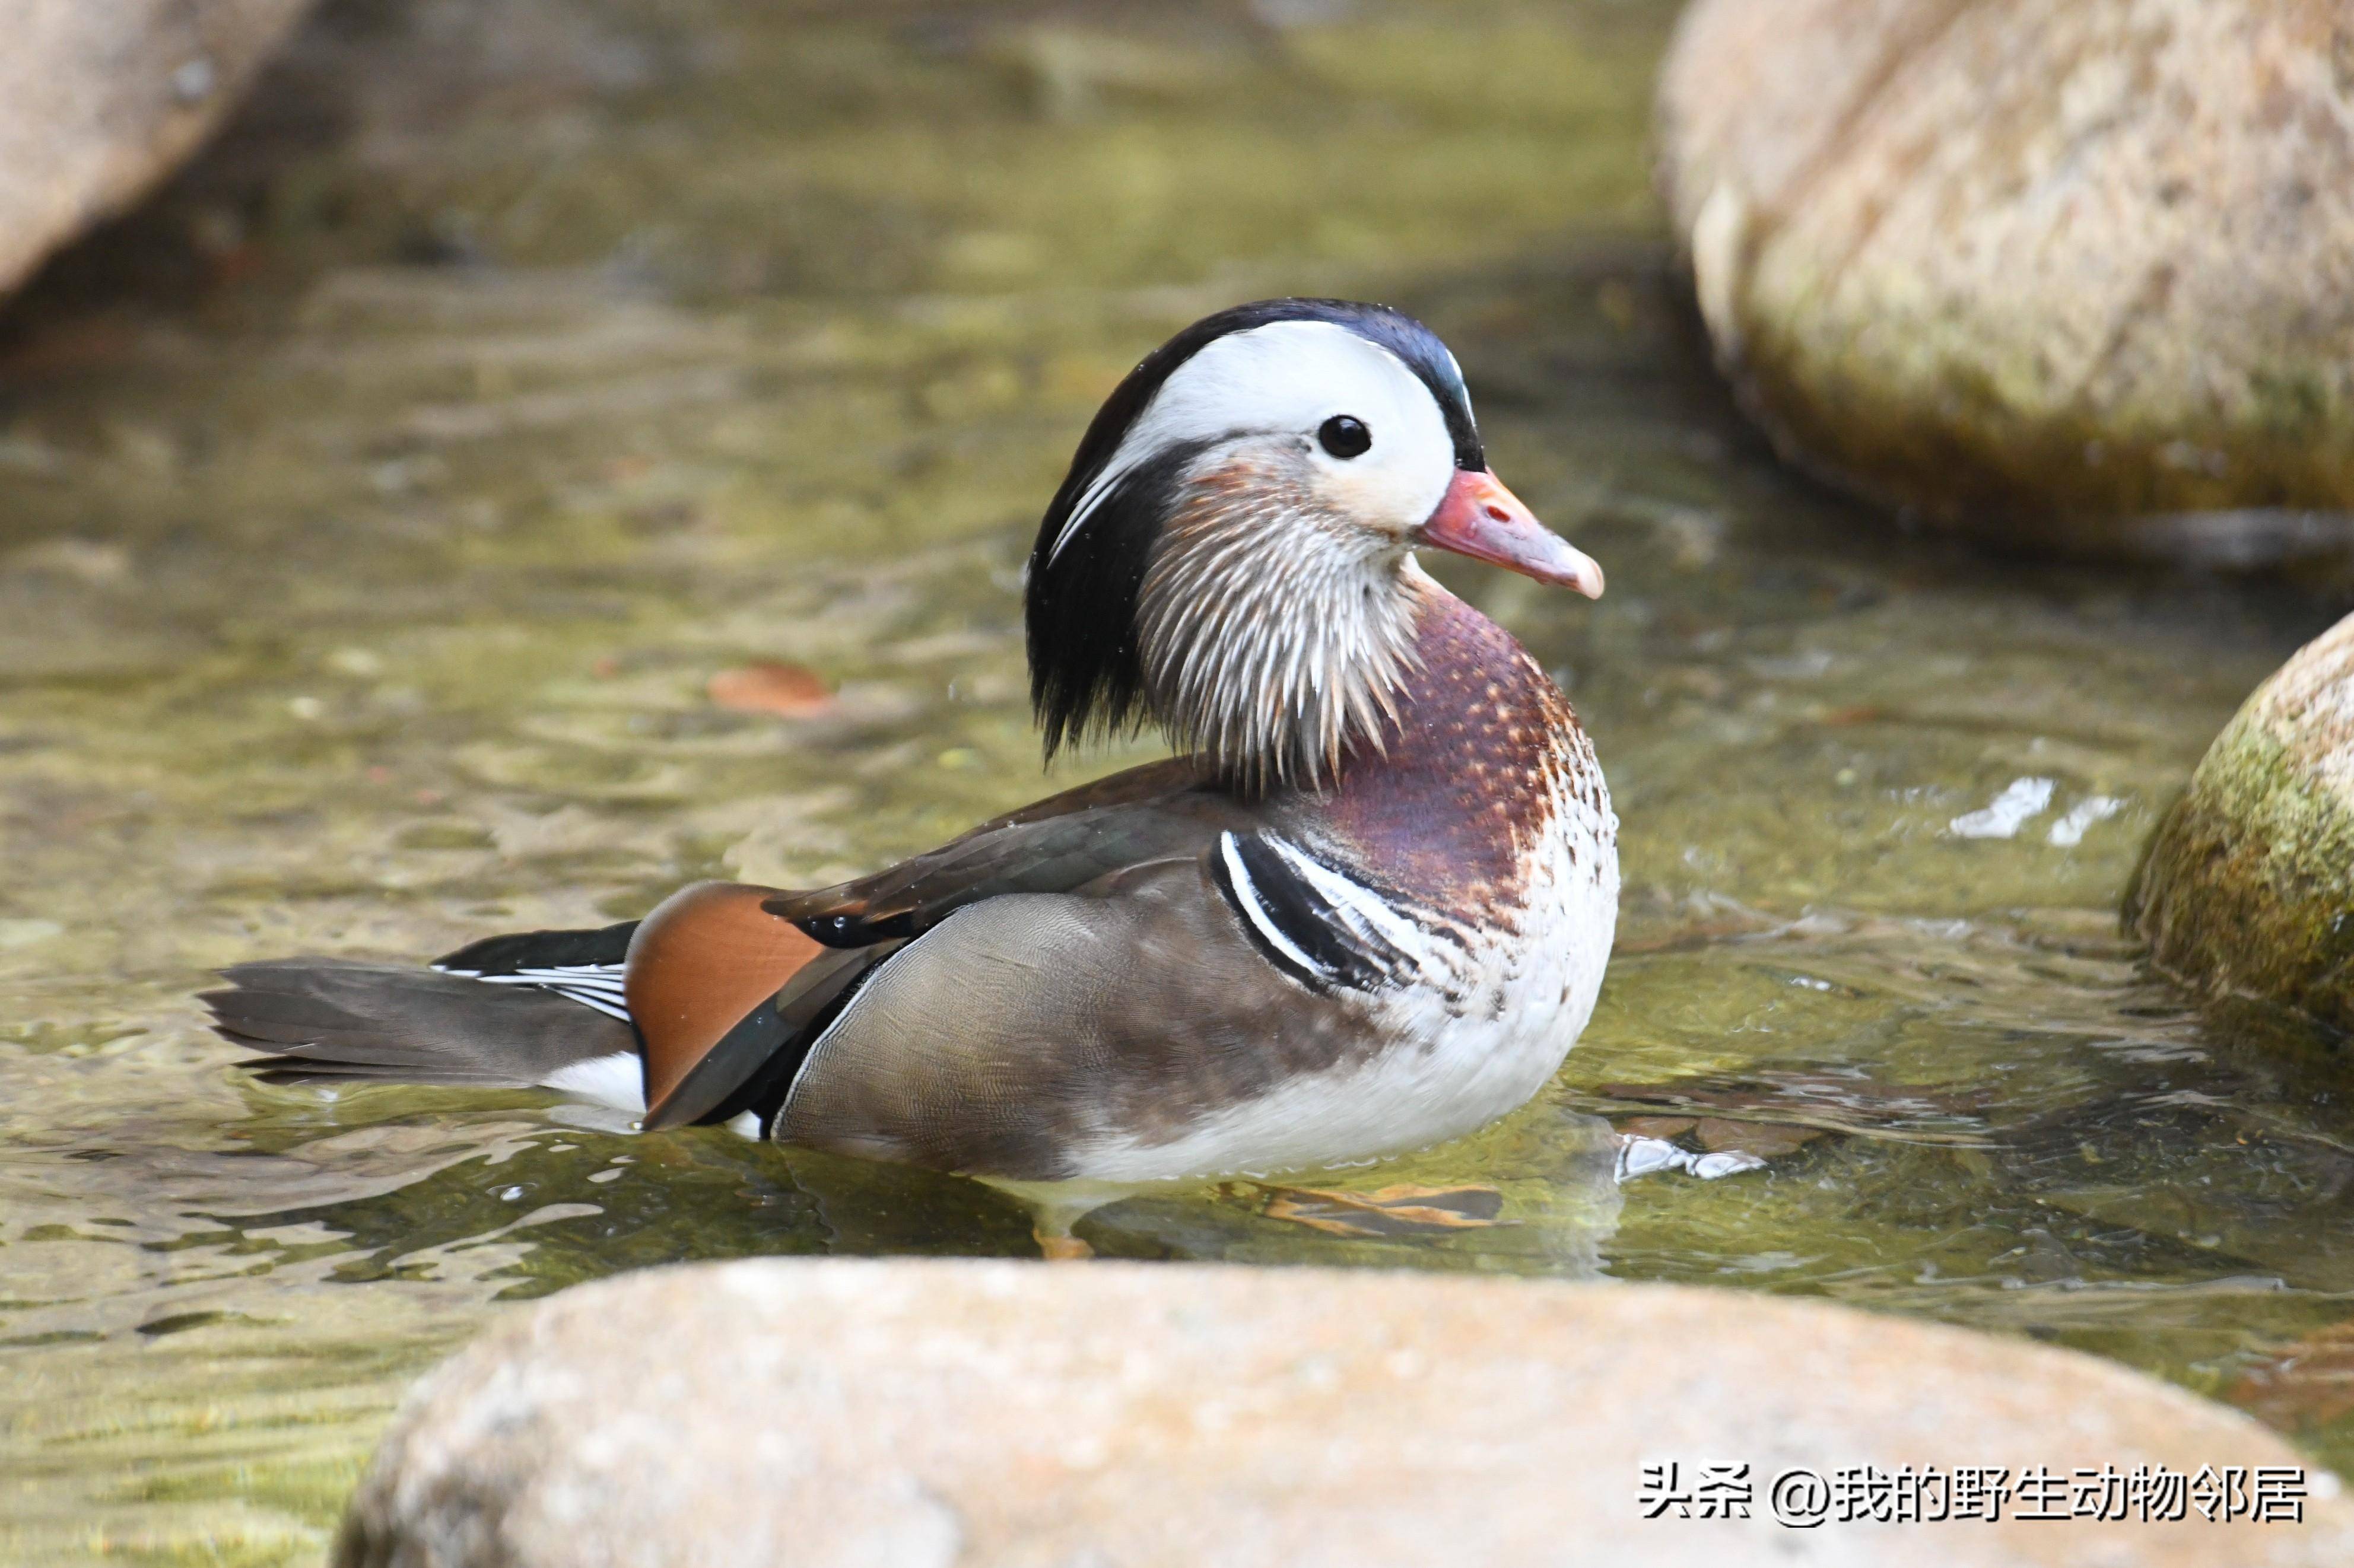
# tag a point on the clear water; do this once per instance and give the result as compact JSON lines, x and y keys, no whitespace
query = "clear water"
{"x":500,"y":380}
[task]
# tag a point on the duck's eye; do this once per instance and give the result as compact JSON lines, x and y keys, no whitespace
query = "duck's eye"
{"x":1344,"y":437}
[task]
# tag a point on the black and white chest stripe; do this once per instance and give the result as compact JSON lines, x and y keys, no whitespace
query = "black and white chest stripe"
{"x":1324,"y":929}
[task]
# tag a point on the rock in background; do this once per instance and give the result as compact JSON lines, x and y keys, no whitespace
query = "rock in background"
{"x":919,"y":1414}
{"x":2056,"y":273}
{"x":100,"y":101}
{"x":2247,"y":887}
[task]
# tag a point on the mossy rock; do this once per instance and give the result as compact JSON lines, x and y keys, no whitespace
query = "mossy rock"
{"x":2074,"y":276}
{"x":2247,"y":886}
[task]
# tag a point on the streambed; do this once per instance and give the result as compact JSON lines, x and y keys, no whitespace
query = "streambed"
{"x":366,"y":563}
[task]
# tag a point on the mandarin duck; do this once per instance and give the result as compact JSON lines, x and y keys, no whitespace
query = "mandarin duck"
{"x":1366,"y":909}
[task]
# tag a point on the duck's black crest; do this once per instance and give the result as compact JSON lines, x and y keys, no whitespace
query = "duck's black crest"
{"x":1086,"y":677}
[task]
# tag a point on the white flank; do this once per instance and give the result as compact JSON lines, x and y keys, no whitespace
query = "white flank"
{"x":618,"y":1080}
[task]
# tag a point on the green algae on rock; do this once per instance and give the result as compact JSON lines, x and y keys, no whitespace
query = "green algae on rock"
{"x":2247,"y":886}
{"x":2079,"y":277}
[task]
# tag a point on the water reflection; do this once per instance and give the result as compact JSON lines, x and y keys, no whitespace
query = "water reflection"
{"x":1545,"y":1203}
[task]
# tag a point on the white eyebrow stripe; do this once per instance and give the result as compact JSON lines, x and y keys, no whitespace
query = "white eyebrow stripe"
{"x":1286,"y":374}
{"x":1246,"y":895}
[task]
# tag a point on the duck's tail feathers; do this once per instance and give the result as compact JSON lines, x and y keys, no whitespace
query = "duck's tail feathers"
{"x":516,"y":1012}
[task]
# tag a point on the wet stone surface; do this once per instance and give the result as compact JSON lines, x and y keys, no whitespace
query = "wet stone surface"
{"x":99,"y":104}
{"x":2070,"y":277}
{"x":419,"y":558}
{"x":994,"y":1415}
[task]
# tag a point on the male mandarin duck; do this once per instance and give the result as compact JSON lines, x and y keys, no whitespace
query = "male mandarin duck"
{"x":1366,"y":910}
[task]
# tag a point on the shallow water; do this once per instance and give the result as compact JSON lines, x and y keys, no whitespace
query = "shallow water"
{"x":500,"y":381}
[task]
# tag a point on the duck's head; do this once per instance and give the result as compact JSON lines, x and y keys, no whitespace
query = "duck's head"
{"x":1231,"y":555}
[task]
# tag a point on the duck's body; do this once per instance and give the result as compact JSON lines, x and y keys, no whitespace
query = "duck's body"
{"x":1370,"y":913}
{"x":1301,"y":980}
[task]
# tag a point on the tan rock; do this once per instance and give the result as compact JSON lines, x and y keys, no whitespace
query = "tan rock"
{"x":904,"y":1412}
{"x":99,"y":102}
{"x":2058,"y":272}
{"x":2247,"y":886}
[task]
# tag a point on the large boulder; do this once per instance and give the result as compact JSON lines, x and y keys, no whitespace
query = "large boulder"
{"x":2247,"y":886}
{"x":774,"y":1414}
{"x":100,"y":101}
{"x":2060,"y":273}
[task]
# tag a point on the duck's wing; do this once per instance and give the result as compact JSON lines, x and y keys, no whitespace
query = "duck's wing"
{"x":1131,"y":1030}
{"x":729,"y":984}
{"x":1160,"y":811}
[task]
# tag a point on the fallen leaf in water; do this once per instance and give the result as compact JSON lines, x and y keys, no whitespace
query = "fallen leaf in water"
{"x":2310,"y":1384}
{"x":765,"y":686}
{"x":1390,"y":1211}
